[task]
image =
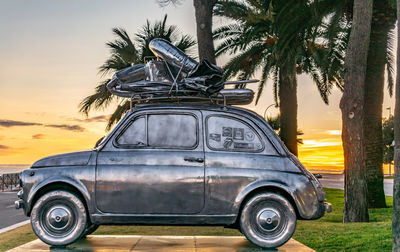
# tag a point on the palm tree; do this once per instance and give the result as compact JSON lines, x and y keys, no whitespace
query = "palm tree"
{"x":379,"y":55}
{"x":204,"y":14}
{"x":351,"y":104}
{"x":255,"y":40}
{"x":337,"y":14}
{"x":125,"y":53}
{"x":396,"y":183}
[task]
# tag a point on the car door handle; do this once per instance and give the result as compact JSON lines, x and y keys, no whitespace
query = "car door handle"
{"x":194,"y":159}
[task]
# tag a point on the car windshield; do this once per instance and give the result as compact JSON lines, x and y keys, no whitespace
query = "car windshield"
{"x":103,"y":139}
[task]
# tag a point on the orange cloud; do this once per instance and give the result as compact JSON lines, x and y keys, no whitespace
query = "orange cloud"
{"x":38,"y":136}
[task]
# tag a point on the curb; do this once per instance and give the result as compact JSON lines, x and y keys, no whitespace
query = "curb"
{"x":9,"y":228}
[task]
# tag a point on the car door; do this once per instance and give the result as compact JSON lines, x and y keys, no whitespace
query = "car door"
{"x":153,"y":165}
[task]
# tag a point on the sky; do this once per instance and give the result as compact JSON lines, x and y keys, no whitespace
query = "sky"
{"x":50,"y":52}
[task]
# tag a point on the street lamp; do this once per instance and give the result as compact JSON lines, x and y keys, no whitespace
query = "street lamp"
{"x":267,"y":109}
{"x":390,"y":163}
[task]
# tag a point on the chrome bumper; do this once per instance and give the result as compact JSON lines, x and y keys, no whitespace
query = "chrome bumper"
{"x":328,"y":207}
{"x":19,"y":204}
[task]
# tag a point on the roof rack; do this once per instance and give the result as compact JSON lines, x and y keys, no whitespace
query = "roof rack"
{"x":224,"y":97}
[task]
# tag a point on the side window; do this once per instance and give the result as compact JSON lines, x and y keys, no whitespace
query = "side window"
{"x":230,"y":134}
{"x":176,"y":131}
{"x":161,"y":131}
{"x":135,"y":134}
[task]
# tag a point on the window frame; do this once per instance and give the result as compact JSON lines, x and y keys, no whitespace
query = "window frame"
{"x":146,"y":115}
{"x":125,"y":128}
{"x":233,"y":150}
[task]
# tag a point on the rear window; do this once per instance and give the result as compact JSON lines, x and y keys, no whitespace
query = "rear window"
{"x":230,"y":134}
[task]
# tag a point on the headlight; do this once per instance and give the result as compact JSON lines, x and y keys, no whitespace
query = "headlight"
{"x":20,"y":193}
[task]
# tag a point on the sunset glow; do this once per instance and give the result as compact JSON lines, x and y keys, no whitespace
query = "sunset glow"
{"x":49,"y":62}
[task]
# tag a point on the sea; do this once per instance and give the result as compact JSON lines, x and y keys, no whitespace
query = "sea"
{"x":13,"y":168}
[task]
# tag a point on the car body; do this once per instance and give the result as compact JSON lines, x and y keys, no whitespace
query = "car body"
{"x":179,"y":164}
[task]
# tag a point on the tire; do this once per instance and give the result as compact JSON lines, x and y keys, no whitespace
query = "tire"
{"x":59,"y":218}
{"x":268,"y":220}
{"x":90,"y":229}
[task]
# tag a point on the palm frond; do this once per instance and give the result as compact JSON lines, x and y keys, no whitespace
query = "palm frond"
{"x":245,"y":62}
{"x":275,"y":85}
{"x":123,"y":53}
{"x":235,"y":10}
{"x":264,"y":77}
{"x":100,"y":99}
{"x":118,"y":113}
{"x":390,"y":60}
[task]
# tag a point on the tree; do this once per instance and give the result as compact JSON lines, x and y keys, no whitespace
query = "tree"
{"x":379,"y":55}
{"x":205,"y":42}
{"x":396,"y":182}
{"x":204,"y":14}
{"x":352,"y":106}
{"x":255,"y":40}
{"x":125,"y":53}
{"x":388,"y":138}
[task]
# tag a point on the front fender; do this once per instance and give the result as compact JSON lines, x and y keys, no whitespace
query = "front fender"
{"x":57,"y":180}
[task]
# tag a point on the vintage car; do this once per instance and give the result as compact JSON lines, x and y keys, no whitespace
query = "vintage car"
{"x":175,"y":164}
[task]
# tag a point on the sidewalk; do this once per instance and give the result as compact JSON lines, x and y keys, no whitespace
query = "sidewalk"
{"x":161,"y":243}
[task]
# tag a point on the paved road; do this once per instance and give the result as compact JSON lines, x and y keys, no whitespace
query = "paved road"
{"x":8,"y":214}
{"x":337,"y":181}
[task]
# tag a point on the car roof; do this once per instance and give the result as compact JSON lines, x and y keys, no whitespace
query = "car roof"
{"x":214,"y":107}
{"x":257,"y":119}
{"x":220,"y":108}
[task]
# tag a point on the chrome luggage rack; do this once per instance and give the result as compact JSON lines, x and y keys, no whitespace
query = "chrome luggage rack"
{"x":223,"y":97}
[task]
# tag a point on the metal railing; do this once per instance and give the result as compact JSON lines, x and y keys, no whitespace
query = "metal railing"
{"x":9,"y":181}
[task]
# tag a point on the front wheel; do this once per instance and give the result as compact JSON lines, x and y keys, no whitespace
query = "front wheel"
{"x":59,"y":218}
{"x":90,"y":229}
{"x":268,"y":220}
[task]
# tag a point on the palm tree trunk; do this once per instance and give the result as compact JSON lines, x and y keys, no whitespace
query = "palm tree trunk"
{"x":396,"y":183}
{"x":374,"y":86}
{"x":288,"y":105}
{"x":352,"y":106}
{"x":205,"y":42}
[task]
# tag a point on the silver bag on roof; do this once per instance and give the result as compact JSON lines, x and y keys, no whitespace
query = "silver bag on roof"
{"x":176,"y":77}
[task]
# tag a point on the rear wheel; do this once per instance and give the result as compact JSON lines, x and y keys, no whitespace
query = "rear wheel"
{"x":268,"y":220}
{"x":59,"y":218}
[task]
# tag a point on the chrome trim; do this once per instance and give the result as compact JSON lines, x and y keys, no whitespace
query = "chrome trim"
{"x":18,"y":204}
{"x":328,"y":207}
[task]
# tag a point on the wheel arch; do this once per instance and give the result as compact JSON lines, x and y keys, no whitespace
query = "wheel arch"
{"x":53,"y":184}
{"x":260,"y":187}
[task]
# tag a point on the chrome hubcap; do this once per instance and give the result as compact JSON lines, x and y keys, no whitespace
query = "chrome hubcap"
{"x":268,"y":219}
{"x":58,"y":217}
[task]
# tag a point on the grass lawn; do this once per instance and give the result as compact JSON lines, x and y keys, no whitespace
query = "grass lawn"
{"x":326,"y":234}
{"x":330,"y":234}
